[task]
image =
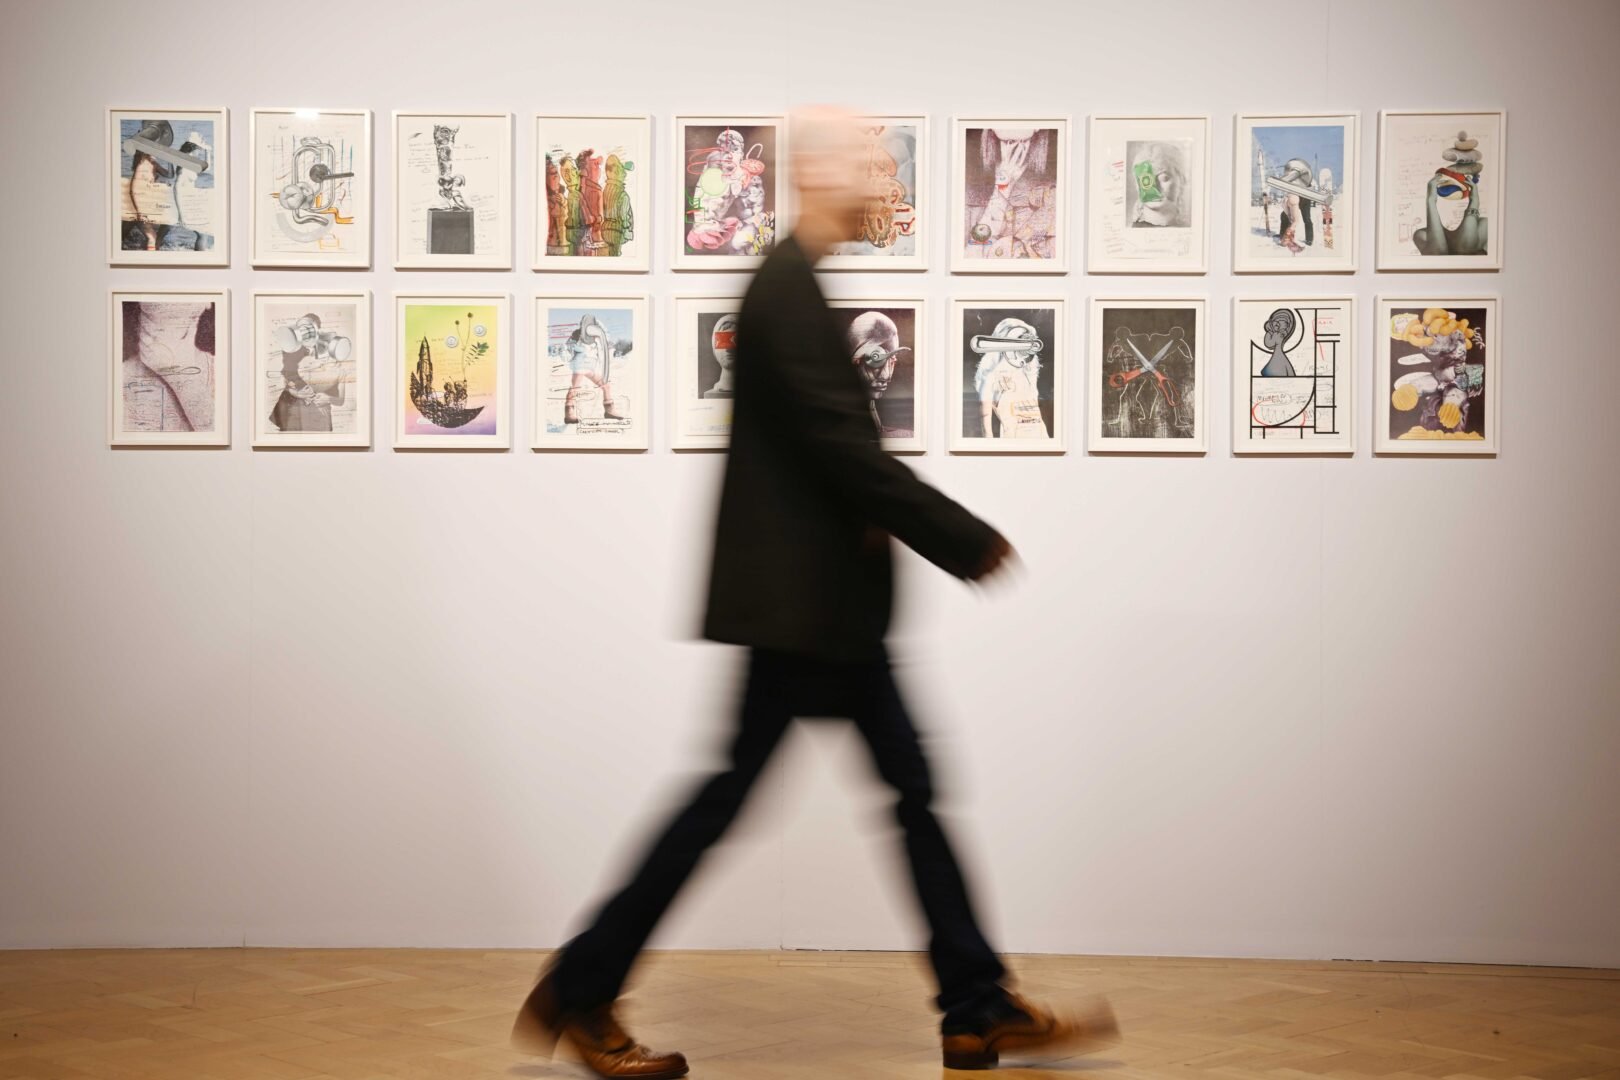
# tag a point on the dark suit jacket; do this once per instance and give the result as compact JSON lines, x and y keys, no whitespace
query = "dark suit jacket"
{"x":810,"y":499}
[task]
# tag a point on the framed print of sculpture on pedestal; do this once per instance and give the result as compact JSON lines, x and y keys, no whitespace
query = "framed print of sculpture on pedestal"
{"x":700,"y":381}
{"x":452,"y":191}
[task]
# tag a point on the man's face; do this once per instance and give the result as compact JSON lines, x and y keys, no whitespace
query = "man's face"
{"x":876,"y":365}
{"x":834,"y":172}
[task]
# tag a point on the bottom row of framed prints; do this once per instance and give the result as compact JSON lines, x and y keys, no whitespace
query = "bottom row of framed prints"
{"x":1007,"y":368}
{"x":1438,"y":383}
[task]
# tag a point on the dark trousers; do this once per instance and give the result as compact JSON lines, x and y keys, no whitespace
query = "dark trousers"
{"x":592,"y":968}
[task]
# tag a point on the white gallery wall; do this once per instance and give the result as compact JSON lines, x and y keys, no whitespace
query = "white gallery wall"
{"x":1364,"y":707}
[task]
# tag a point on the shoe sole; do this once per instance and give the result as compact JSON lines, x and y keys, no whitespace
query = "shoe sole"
{"x":972,"y":1062}
{"x":674,"y":1073}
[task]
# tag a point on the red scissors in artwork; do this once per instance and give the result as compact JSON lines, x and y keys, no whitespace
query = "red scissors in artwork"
{"x":1167,"y":385}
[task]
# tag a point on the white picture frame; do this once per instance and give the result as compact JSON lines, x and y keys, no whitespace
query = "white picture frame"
{"x":288,"y":196}
{"x":1404,"y":361}
{"x":452,"y":341}
{"x":700,"y":412}
{"x":1126,"y":234}
{"x":576,"y":368}
{"x":1412,"y":148}
{"x":183,"y":169}
{"x":995,"y":239}
{"x":900,"y":213}
{"x":626,"y":137}
{"x":478,"y":169}
{"x":901,"y":410}
{"x":1265,"y":179}
{"x":1000,"y":379}
{"x":1115,"y":407}
{"x":168,"y":384}
{"x":331,"y":349}
{"x":710,"y":186}
{"x":1303,"y":401}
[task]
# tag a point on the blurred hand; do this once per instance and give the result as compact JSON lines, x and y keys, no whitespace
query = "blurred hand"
{"x":998,"y":557}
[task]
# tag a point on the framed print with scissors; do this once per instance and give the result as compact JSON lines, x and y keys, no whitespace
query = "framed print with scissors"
{"x":1147,"y":376}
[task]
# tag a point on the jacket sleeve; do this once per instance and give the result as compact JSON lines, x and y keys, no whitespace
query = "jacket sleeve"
{"x":824,"y":415}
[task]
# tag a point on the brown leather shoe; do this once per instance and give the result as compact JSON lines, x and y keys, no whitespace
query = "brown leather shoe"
{"x":595,"y":1035}
{"x":1031,"y":1027}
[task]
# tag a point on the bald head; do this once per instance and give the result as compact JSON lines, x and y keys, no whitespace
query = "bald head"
{"x":823,"y":129}
{"x":829,"y":166}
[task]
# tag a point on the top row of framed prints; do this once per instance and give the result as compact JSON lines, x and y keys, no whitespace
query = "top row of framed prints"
{"x":1295,"y":192}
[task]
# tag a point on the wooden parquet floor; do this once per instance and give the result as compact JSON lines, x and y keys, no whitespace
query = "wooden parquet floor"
{"x":301,"y":1014}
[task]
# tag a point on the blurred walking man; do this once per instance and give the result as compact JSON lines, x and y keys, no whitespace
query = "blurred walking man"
{"x":802,"y":576}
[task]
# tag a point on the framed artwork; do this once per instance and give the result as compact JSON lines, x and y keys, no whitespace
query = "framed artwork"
{"x":1294,"y":375}
{"x":1439,"y":382}
{"x":1009,"y":208}
{"x":1148,"y":204}
{"x":169,"y":368}
{"x":590,"y":373}
{"x":593,"y":200}
{"x":894,"y":228}
{"x":169,"y":194}
{"x":452,"y":371}
{"x":1007,"y":383}
{"x":453,"y":191}
{"x":701,"y":385}
{"x":1294,"y":192}
{"x":309,"y":193}
{"x":311,"y":369}
{"x":884,"y":342}
{"x":1147,"y":376}
{"x":731,"y":190}
{"x":1440,"y":189}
